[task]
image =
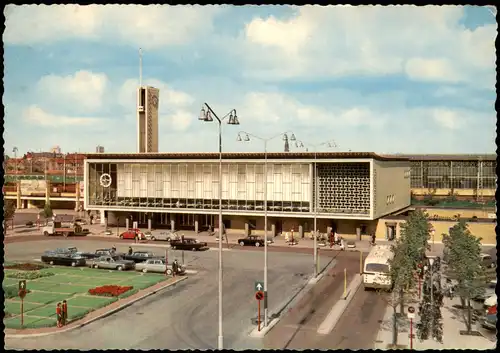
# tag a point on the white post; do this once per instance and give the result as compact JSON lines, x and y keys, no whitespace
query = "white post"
{"x":316,"y":263}
{"x":220,"y":338}
{"x":265,"y":235}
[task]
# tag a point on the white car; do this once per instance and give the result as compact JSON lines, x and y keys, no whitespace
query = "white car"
{"x":158,"y":266}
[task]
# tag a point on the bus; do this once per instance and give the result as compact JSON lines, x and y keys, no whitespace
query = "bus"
{"x":376,"y":270}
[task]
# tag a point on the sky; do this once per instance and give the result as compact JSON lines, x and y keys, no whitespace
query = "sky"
{"x":397,"y":79}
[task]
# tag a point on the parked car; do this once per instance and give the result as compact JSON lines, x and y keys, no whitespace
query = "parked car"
{"x":133,"y":234}
{"x":489,"y":320}
{"x":159,"y":266}
{"x":487,"y":261}
{"x":100,"y":253}
{"x":164,"y":235}
{"x":140,"y":256}
{"x":69,"y":249}
{"x":64,"y":259}
{"x":66,"y":230}
{"x":80,"y":221}
{"x":253,"y":240}
{"x":188,"y":244}
{"x":111,"y":263}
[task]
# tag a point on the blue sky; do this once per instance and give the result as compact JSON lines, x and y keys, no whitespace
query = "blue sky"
{"x":399,"y":79}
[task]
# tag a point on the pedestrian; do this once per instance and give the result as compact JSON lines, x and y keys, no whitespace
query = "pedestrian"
{"x":210,"y":232}
{"x":64,"y":312}
{"x":130,"y":251}
{"x":291,"y":234}
{"x":175,"y":266}
{"x":59,"y":315}
{"x":91,"y":219}
{"x":182,"y":238}
{"x":342,"y":244}
{"x":373,"y":238}
{"x":113,"y":249}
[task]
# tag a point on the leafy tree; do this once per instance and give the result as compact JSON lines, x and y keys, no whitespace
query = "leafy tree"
{"x":464,"y":263}
{"x":9,"y":209}
{"x":430,"y":308}
{"x":47,"y":211}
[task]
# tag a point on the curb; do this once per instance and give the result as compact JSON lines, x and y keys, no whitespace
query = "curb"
{"x":338,"y":309}
{"x":102,"y":316}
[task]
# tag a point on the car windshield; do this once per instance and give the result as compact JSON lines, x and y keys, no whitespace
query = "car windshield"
{"x":383,"y":268}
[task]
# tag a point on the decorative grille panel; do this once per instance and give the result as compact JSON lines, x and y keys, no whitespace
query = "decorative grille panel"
{"x":344,"y":188}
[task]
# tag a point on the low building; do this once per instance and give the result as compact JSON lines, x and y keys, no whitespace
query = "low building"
{"x":181,"y":190}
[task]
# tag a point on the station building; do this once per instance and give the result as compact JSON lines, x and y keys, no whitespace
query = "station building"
{"x":181,"y":190}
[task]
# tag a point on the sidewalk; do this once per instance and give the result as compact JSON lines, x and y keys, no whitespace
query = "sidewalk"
{"x":453,"y":323}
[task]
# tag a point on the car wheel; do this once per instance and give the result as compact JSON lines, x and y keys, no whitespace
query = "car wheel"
{"x":144,"y":270}
{"x":46,"y":233}
{"x":119,"y":268}
{"x":96,"y":266}
{"x":257,"y":244}
{"x":242,"y":243}
{"x":174,"y":247}
{"x":153,"y":238}
{"x":193,"y":249}
{"x":73,"y":264}
{"x":121,"y":236}
{"x":169,"y":272}
{"x":51,"y":263}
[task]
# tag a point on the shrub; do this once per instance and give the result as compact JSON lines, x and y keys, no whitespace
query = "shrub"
{"x":10,"y":292}
{"x":24,"y":267}
{"x":28,"y":274}
{"x":109,"y":291}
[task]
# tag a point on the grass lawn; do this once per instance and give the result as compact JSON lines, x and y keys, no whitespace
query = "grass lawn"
{"x":71,"y":284}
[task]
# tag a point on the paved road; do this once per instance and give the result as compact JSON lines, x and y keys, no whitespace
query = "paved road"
{"x":184,"y":317}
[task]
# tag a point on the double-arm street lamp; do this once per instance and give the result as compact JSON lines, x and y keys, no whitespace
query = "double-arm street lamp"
{"x":206,"y":115}
{"x":330,"y":144}
{"x":245,"y":137}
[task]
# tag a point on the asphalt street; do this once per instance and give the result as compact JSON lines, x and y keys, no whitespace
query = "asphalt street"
{"x":184,"y":317}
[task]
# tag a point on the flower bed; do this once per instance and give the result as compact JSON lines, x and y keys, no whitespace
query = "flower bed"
{"x":28,"y":275}
{"x":110,"y":290}
{"x":24,"y":267}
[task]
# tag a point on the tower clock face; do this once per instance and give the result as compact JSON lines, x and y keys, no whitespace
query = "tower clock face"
{"x":154,"y":100}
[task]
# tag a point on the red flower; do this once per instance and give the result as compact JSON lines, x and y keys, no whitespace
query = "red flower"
{"x":109,"y":290}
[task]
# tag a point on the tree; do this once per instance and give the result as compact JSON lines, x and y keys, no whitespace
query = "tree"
{"x":8,"y":213}
{"x":430,"y":308}
{"x":47,"y":211}
{"x":464,"y":263}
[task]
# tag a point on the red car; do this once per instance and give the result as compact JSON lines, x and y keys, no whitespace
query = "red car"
{"x":133,"y":234}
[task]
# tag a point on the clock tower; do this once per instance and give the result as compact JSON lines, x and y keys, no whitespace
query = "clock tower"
{"x":147,"y":119}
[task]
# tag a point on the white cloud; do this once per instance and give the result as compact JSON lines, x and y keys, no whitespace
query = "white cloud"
{"x":422,"y":42}
{"x":36,"y":115}
{"x":180,"y":120}
{"x":83,"y":90}
{"x":151,"y":26}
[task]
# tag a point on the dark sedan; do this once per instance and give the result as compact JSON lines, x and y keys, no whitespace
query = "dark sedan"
{"x":64,"y":259}
{"x":140,"y":256}
{"x":252,"y":240}
{"x":188,"y":244}
{"x":99,"y":253}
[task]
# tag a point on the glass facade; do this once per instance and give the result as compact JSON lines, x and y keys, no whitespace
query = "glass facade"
{"x":453,"y":174}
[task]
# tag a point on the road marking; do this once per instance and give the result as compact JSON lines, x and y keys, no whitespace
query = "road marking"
{"x":191,"y":272}
{"x":217,"y":249}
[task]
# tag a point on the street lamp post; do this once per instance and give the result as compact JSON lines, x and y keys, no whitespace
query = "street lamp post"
{"x":246,"y":138}
{"x":431,"y":268}
{"x":206,"y":115}
{"x":330,"y":144}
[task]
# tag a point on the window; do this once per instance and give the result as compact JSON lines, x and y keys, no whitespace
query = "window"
{"x":382,"y":268}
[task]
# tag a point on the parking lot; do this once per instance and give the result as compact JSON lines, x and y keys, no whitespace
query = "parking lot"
{"x":184,"y":317}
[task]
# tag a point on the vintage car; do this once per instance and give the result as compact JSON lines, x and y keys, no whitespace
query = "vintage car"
{"x":163,"y":235}
{"x":65,"y":259}
{"x":111,"y":263}
{"x":133,"y":233}
{"x":188,"y":244}
{"x":487,"y":261}
{"x":159,"y":266}
{"x":100,"y":253}
{"x":67,"y":250}
{"x":139,"y":256}
{"x":252,"y":240}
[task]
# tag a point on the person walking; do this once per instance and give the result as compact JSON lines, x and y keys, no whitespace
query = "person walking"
{"x":130,"y":251}
{"x":373,"y":238}
{"x":175,"y":267}
{"x":64,"y":312}
{"x":59,"y":315}
{"x":342,"y":244}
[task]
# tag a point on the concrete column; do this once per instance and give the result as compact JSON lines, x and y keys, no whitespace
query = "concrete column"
{"x":18,"y":190}
{"x":127,"y":223}
{"x":247,"y":229}
{"x":301,"y":232}
{"x":196,"y":227}
{"x":172,"y":225}
{"x":77,"y":199}
{"x":273,"y":230}
{"x":149,"y":224}
{"x":103,"y":218}
{"x":358,"y":232}
{"x":135,"y":225}
{"x":47,"y":191}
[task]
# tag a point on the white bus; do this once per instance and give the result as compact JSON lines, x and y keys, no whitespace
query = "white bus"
{"x":376,"y":269}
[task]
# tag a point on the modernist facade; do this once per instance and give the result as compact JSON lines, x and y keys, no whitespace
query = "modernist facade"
{"x":182,"y":190}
